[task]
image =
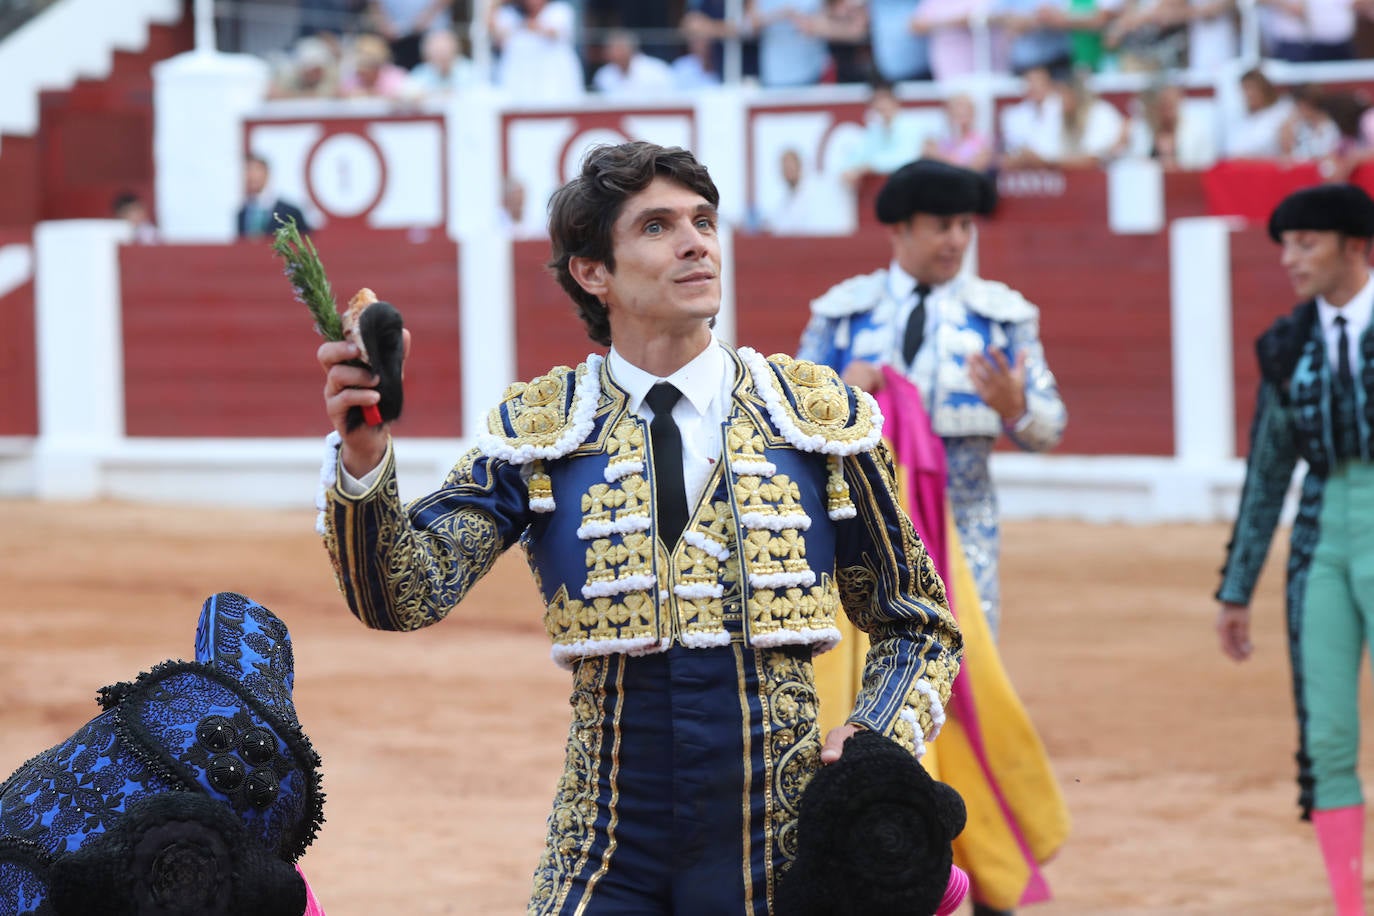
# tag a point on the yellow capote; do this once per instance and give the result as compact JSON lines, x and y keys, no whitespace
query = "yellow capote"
{"x":1003,"y":873}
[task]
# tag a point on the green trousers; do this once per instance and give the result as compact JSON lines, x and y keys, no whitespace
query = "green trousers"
{"x":1337,"y":622}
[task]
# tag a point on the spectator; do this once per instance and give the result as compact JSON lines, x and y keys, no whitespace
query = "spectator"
{"x":1031,"y":45}
{"x":374,"y":75}
{"x":262,"y":209}
{"x":129,"y":207}
{"x":698,"y":68}
{"x":898,"y":53}
{"x":403,"y":23}
{"x":1031,"y":128}
{"x":538,"y":61}
{"x":1172,"y":132}
{"x":808,"y":205}
{"x":706,"y":19}
{"x":312,"y":72}
{"x":1148,"y":36}
{"x":963,"y":144}
{"x":629,"y":71}
{"x":1094,"y":132}
{"x":1084,"y":21}
{"x":1308,"y":133}
{"x":844,"y":26}
{"x":513,"y":219}
{"x":1213,"y":37}
{"x":1355,"y":119}
{"x":1253,"y":132}
{"x":890,"y":141}
{"x":787,"y":55}
{"x":444,"y":68}
{"x":1305,"y":31}
{"x":946,"y":24}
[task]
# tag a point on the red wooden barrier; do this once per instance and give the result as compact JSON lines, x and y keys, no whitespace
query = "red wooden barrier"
{"x":214,"y":345}
{"x":18,"y":359}
{"x":1260,"y":292}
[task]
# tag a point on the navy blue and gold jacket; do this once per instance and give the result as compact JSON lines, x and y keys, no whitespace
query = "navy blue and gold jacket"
{"x":1292,"y":420}
{"x":799,"y":520}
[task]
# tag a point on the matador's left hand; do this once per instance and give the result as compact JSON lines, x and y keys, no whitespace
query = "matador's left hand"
{"x":1001,"y":385}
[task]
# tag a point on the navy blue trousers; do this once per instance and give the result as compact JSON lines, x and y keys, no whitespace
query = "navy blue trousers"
{"x":683,"y":775}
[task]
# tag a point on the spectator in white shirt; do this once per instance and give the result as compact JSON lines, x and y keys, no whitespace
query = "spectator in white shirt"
{"x":1253,"y":131}
{"x":810,"y":204}
{"x":1309,"y":133}
{"x":1171,"y":131}
{"x":1213,"y":35}
{"x":1304,"y":31}
{"x":1031,"y":128}
{"x":538,"y":61}
{"x":1094,"y":131}
{"x":628,"y":70}
{"x":444,"y":69}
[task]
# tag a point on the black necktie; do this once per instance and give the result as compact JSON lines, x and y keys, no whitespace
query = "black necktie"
{"x":1343,"y":372}
{"x":670,"y":494}
{"x":915,"y":325}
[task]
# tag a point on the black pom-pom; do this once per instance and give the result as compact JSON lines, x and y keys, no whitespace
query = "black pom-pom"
{"x":380,"y":327}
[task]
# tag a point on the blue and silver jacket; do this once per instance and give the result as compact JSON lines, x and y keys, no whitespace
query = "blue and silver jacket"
{"x":858,"y":320}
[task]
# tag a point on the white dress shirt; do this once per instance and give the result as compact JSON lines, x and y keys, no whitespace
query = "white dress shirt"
{"x":705,"y":383}
{"x":1357,"y":313}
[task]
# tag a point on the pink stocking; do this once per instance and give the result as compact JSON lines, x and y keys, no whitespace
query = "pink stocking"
{"x":1340,"y":833}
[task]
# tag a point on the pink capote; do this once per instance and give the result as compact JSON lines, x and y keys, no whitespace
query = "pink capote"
{"x":312,"y":906}
{"x":990,"y":752}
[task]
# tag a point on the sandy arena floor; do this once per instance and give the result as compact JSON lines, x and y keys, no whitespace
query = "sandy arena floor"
{"x":442,"y":747}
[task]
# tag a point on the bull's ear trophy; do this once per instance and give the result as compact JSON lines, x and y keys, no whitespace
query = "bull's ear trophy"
{"x":374,"y":326}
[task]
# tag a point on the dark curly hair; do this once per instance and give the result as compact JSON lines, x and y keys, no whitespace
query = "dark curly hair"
{"x":583,"y":212}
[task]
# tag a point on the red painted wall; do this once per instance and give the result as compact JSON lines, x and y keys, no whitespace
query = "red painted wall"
{"x":18,"y":359}
{"x":1260,"y":292}
{"x":214,"y":344}
{"x":548,"y":332}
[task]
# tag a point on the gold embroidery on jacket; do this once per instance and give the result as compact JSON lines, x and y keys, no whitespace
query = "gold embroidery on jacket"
{"x":792,"y":745}
{"x":571,"y":823}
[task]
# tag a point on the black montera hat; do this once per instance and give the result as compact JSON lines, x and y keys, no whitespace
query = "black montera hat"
{"x":931,"y":186}
{"x":873,"y":836}
{"x":1343,"y":208}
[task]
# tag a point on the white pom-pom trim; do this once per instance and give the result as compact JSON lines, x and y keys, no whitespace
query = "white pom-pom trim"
{"x":766,"y":383}
{"x":329,"y":475}
{"x":585,"y":397}
{"x":823,"y":640}
{"x":618,"y":586}
{"x":753,"y":468}
{"x":697,"y":591}
{"x":566,"y":655}
{"x":756,"y":521}
{"x":627,"y":524}
{"x":783,"y":579}
{"x":842,"y":512}
{"x":705,"y":640}
{"x":917,"y":739}
{"x":618,"y":469}
{"x":937,"y":709}
{"x":541,"y":504}
{"x":709,"y":546}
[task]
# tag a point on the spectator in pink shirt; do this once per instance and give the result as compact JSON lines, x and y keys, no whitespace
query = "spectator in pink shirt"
{"x":373,"y":75}
{"x":963,"y":144}
{"x":947,"y":23}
